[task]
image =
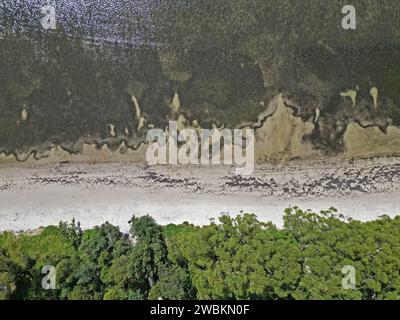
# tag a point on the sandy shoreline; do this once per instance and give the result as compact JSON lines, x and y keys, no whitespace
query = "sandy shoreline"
{"x":31,"y":197}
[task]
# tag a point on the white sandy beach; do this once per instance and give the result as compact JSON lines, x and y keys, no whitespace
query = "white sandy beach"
{"x":31,"y":197}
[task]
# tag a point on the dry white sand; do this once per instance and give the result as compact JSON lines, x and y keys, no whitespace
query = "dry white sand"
{"x":31,"y":197}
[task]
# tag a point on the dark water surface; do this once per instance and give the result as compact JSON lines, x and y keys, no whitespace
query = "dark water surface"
{"x":225,"y":61}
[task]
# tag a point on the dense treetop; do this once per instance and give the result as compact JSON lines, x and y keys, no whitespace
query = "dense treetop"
{"x":232,"y":258}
